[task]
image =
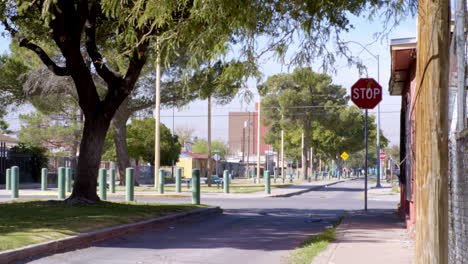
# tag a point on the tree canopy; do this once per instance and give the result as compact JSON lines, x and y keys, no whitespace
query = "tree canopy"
{"x":114,"y":38}
{"x":201,"y":146}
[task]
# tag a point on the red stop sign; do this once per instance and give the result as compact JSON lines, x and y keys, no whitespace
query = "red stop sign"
{"x":366,"y":93}
{"x":383,"y":155}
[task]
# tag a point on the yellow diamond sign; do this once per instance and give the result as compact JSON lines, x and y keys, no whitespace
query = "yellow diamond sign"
{"x":344,"y":156}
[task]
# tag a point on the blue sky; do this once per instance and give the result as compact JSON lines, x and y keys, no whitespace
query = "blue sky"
{"x":346,"y":76}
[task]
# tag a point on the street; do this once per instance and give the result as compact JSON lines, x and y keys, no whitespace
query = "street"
{"x":262,"y":230}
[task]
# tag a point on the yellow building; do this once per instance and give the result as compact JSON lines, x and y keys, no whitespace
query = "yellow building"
{"x":189,"y":161}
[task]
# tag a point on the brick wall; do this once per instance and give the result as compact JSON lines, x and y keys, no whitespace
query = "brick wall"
{"x":458,"y":229}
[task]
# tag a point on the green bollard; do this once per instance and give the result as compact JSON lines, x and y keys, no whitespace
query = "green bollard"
{"x":112,"y":180}
{"x":161,"y":181}
{"x":14,"y":180}
{"x":284,"y":178}
{"x":68,"y":180}
{"x":8,"y":179}
{"x":275,"y":176}
{"x":196,"y":186}
{"x":102,"y":184}
{"x":266,"y":176}
{"x":226,"y":181}
{"x":44,"y":179}
{"x":61,"y":182}
{"x":178,"y":180}
{"x":129,"y":184}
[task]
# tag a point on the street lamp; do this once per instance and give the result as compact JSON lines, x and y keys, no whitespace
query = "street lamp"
{"x":378,"y":109}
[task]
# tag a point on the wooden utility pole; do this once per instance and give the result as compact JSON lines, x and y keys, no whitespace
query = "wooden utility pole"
{"x":208,"y":165}
{"x":282,"y":153}
{"x":258,"y":139}
{"x":432,"y":79}
{"x":311,"y":162}
{"x":157,"y":148}
{"x":303,"y":157}
{"x":248,"y":144}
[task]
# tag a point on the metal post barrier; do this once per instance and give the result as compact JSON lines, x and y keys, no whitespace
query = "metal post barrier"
{"x":102,"y":184}
{"x":112,"y":180}
{"x":44,"y":179}
{"x":196,"y":186}
{"x":129,"y":184}
{"x":178,"y":179}
{"x":226,"y":181}
{"x":161,"y":181}
{"x":68,"y":180}
{"x":14,"y":182}
{"x":61,"y":182}
{"x":266,"y":176}
{"x":8,"y":179}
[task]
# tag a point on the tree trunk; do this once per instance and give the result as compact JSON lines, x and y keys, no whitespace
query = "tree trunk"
{"x":432,"y":78}
{"x":92,"y":143}
{"x":208,"y":166}
{"x":119,"y":124}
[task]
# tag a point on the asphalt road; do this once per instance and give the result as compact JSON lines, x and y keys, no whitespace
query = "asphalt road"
{"x":262,"y":230}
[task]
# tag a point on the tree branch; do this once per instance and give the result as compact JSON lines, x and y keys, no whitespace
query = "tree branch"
{"x":140,"y":107}
{"x":90,"y":30}
{"x":23,"y":42}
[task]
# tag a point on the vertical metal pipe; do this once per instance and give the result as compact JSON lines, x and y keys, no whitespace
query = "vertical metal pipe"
{"x":196,"y":186}
{"x":161,"y":181}
{"x":178,"y":179}
{"x":365,"y":163}
{"x":44,"y":179}
{"x":61,"y":182}
{"x":129,"y":184}
{"x":102,"y":184}
{"x":461,"y":63}
{"x":14,"y":182}
{"x":226,"y":181}
{"x":112,"y":180}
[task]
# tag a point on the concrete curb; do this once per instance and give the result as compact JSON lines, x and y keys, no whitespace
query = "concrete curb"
{"x":306,"y":190}
{"x":87,"y":239}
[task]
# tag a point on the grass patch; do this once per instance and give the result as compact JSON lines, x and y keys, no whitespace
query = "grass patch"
{"x":25,"y":222}
{"x":396,"y":189}
{"x":312,"y":246}
{"x":233,"y":188}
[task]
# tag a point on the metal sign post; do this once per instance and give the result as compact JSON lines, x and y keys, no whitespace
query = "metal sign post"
{"x":366,"y":93}
{"x":365,"y":164}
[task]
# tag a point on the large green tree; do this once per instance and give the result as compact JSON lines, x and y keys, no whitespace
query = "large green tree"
{"x":81,"y":30}
{"x":299,"y":101}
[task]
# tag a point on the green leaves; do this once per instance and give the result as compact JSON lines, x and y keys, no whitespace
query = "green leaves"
{"x":140,"y":142}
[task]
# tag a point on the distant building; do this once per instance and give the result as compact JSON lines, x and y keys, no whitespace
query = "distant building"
{"x":189,"y":161}
{"x":9,"y":141}
{"x":243,"y":134}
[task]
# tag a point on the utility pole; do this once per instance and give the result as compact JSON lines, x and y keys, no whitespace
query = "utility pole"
{"x":378,"y":185}
{"x":431,"y":107}
{"x":248,"y":143}
{"x":303,"y":157}
{"x":311,"y":162}
{"x":282,"y":150}
{"x":157,"y":148}
{"x":258,"y":138}
{"x":208,"y":166}
{"x":243,"y":141}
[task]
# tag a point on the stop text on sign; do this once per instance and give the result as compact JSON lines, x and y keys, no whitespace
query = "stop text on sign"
{"x":366,"y":93}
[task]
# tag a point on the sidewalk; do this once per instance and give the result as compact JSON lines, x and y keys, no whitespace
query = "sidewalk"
{"x":30,"y":190}
{"x":375,"y":236}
